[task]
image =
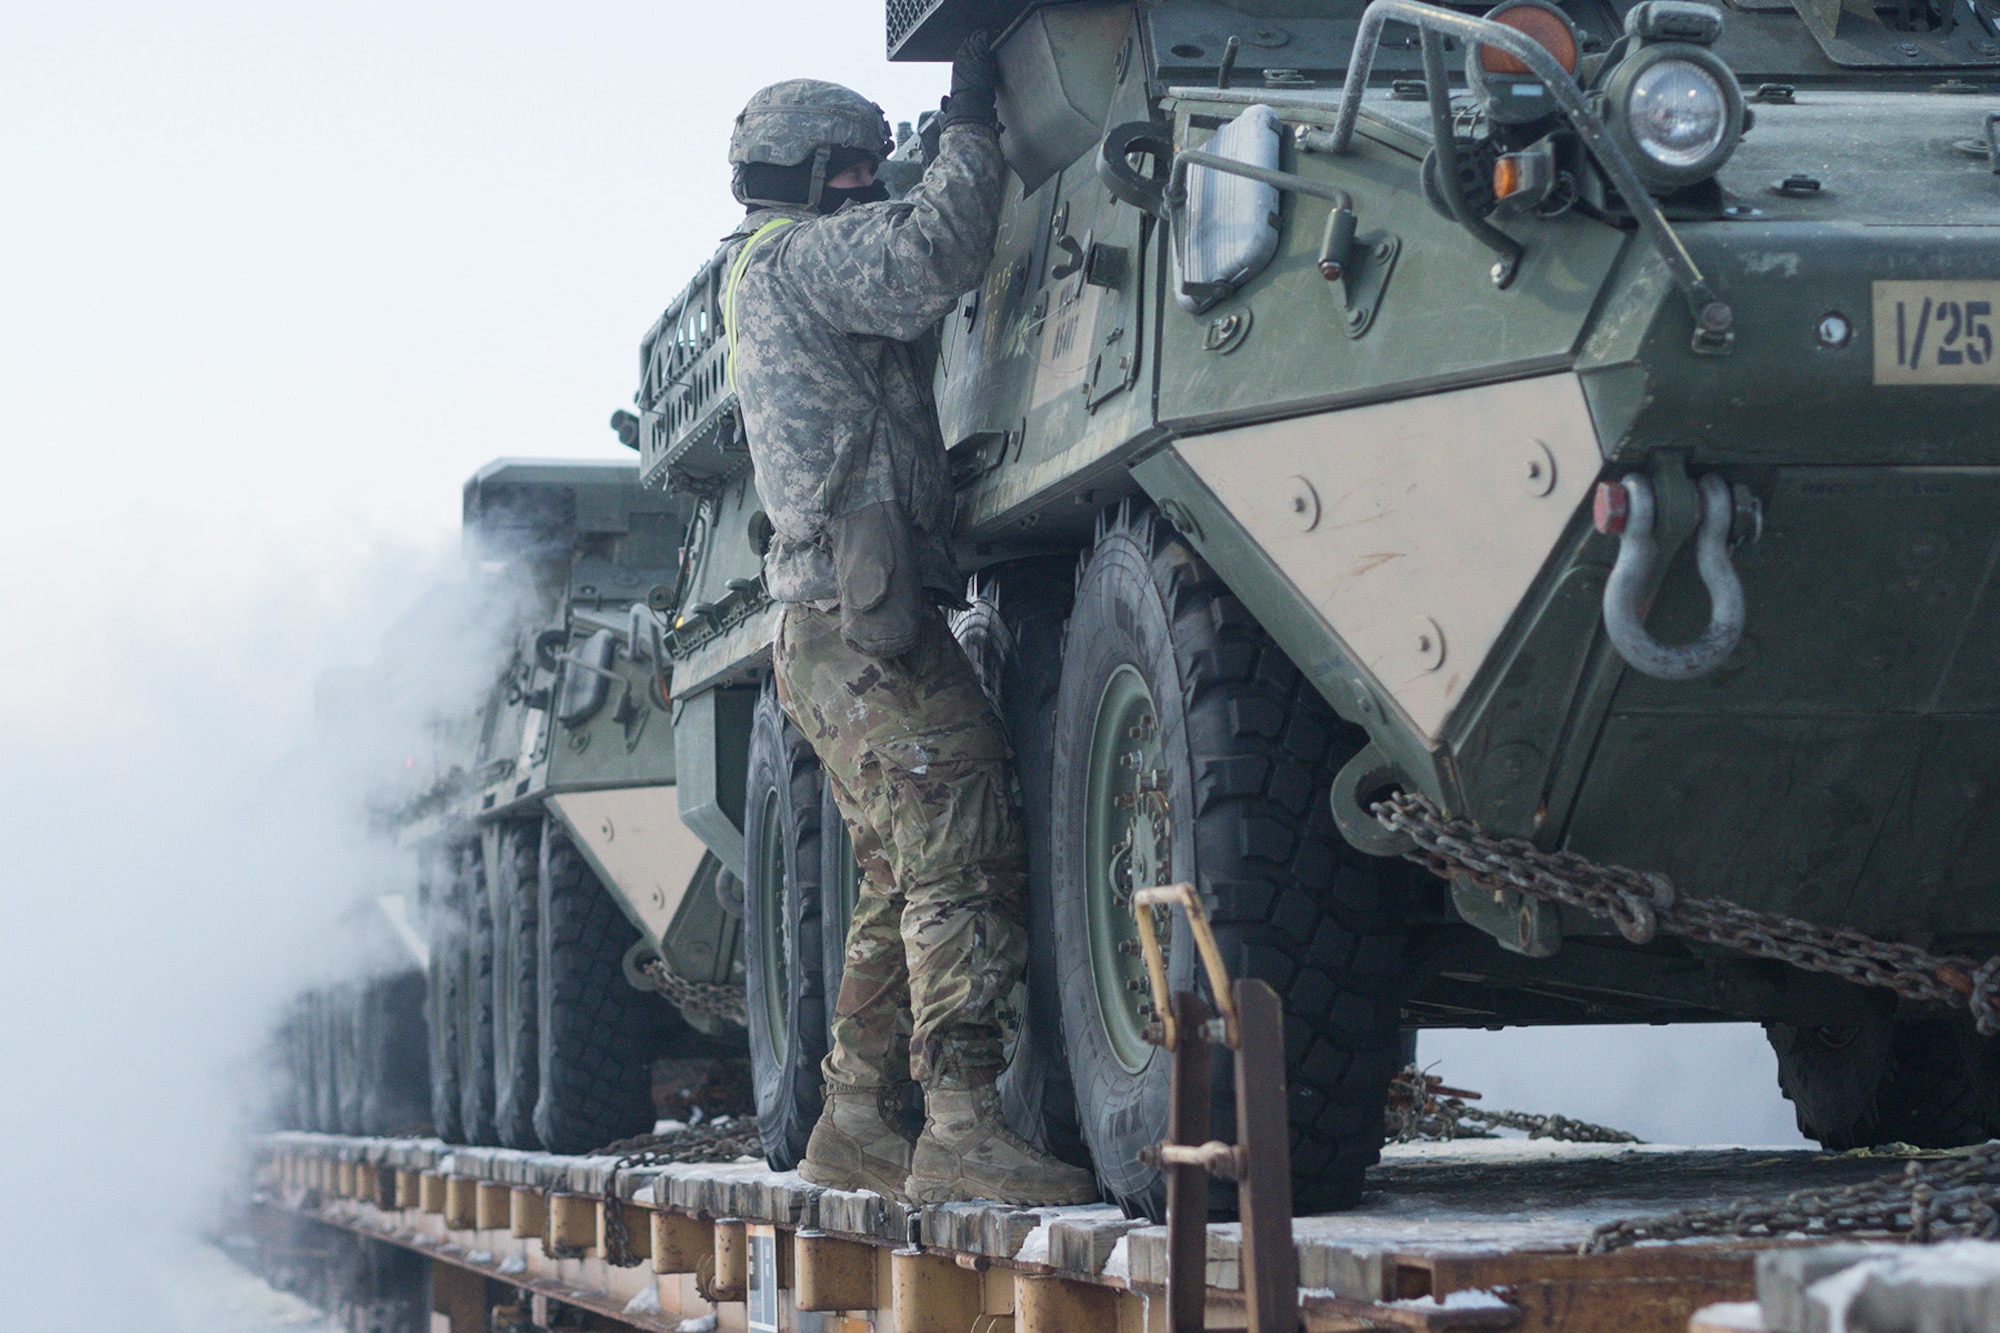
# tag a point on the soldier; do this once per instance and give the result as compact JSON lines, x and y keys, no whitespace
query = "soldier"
{"x":831,"y":288}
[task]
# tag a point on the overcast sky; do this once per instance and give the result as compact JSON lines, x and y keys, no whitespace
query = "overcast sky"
{"x":275,"y":278}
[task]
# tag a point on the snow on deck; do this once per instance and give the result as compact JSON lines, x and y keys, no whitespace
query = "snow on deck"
{"x":1465,"y":1197}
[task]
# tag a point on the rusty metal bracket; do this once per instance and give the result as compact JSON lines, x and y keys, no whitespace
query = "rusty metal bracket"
{"x":1252,"y":1025}
{"x":1184,"y":897}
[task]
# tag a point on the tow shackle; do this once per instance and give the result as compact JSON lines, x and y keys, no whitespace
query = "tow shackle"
{"x":1625,"y":509}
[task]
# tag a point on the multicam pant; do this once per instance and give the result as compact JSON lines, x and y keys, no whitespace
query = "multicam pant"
{"x":918,"y":765}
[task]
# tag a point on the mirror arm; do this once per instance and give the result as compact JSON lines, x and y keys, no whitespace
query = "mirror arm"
{"x":1444,"y":160}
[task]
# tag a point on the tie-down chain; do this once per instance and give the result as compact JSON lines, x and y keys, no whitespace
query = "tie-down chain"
{"x":1640,"y":904}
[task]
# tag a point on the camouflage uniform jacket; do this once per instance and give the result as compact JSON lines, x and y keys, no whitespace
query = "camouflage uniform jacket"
{"x":835,"y":396}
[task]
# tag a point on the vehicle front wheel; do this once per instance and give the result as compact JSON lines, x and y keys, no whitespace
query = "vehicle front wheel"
{"x":1933,"y":1083}
{"x":444,"y":919}
{"x":393,"y":1061}
{"x":596,"y":1034}
{"x":785,"y":995}
{"x":516,"y":1013}
{"x":344,"y":1019}
{"x":475,"y":1033}
{"x":1187,"y":747}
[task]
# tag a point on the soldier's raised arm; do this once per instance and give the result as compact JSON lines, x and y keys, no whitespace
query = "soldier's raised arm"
{"x":892,"y":272}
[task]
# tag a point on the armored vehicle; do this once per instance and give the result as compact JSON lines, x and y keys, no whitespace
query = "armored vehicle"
{"x":566,"y":929}
{"x":1577,"y":418}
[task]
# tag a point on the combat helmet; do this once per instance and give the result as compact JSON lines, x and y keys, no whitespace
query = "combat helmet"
{"x":801,"y":120}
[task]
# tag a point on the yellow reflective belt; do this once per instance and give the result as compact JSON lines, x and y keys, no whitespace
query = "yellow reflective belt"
{"x":735,"y":277}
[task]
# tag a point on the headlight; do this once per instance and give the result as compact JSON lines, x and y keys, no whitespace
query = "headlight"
{"x":1679,"y":114}
{"x":1677,"y":111}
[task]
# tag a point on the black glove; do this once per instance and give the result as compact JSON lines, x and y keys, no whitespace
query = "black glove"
{"x":975,"y":82}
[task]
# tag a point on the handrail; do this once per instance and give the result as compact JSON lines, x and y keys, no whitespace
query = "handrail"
{"x":1712,"y":316}
{"x":1444,"y":157}
{"x":1278,"y":180}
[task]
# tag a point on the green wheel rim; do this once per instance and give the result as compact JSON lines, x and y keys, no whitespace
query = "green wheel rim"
{"x":773,"y":939}
{"x":1124,"y":754}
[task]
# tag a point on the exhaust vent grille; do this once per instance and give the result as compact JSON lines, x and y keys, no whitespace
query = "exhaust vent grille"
{"x":932,"y":29}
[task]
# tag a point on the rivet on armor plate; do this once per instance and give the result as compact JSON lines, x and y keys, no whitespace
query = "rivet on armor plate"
{"x":1302,"y":503}
{"x":1538,"y":471}
{"x":1427,"y":642}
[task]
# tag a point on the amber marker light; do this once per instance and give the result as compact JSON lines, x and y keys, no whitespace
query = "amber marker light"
{"x":1544,"y":26}
{"x":1502,"y":83}
{"x":1507,"y":176}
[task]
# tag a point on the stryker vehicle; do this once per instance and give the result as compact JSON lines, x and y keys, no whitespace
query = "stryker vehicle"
{"x":1585,"y":417}
{"x":559,"y":894}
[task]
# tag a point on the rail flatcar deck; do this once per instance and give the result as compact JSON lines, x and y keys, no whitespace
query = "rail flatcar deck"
{"x":1475,"y":1234}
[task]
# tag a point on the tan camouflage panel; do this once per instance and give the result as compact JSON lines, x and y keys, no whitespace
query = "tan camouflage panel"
{"x":835,"y":394}
{"x":918,"y":765}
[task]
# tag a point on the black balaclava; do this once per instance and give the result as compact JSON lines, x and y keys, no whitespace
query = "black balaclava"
{"x":793,"y":184}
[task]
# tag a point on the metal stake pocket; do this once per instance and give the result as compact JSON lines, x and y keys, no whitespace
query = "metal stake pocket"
{"x":1252,"y":1025}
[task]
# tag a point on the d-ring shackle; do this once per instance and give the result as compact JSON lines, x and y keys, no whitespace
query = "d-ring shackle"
{"x":1638,"y":560}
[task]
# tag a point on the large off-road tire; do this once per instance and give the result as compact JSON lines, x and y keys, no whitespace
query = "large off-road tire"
{"x":345,"y":1037}
{"x":319,"y":1036}
{"x":1013,"y":635}
{"x":839,"y":885}
{"x":475,"y":1077}
{"x":598,"y":1034}
{"x":444,"y":1003}
{"x":1934,"y":1083}
{"x":392,"y":1055}
{"x":785,"y":993}
{"x":298,"y":1051}
{"x":516,"y":1012}
{"x":1168,"y":683}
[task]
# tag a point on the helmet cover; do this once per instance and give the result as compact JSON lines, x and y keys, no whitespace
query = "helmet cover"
{"x":788,"y":122}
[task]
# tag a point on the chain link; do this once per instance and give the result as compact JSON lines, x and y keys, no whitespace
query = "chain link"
{"x":701,"y":997}
{"x":1422,"y":1108}
{"x":1959,"y":1199}
{"x":1640,"y":904}
{"x":718,"y":1141}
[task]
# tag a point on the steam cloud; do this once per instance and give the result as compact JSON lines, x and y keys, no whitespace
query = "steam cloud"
{"x":171,"y":880}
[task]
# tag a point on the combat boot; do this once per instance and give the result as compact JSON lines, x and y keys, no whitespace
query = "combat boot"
{"x":859,"y":1143}
{"x":967,"y":1152}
